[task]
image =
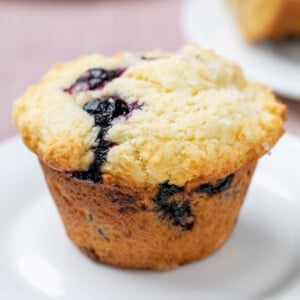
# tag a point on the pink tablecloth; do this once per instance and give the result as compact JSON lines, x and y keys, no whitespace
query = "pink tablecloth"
{"x":36,"y":34}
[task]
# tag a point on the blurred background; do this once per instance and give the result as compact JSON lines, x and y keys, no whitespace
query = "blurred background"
{"x":35,"y":34}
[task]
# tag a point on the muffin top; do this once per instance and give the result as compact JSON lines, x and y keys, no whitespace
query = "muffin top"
{"x":149,"y":118}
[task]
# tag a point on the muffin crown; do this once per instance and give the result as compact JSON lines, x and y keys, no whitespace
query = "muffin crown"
{"x":149,"y":118}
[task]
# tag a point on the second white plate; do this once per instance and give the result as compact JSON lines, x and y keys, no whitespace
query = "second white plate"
{"x":277,"y":65}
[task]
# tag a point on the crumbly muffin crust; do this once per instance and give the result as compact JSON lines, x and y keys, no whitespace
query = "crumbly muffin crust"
{"x":200,"y":119}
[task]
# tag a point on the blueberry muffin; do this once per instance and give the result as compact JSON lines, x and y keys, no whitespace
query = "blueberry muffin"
{"x":148,"y":156}
{"x":267,"y":19}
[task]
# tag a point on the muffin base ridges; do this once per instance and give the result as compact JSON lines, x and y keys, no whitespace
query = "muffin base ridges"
{"x":121,"y":225}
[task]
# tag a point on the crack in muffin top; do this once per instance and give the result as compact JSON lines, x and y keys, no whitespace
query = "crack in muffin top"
{"x":200,"y":118}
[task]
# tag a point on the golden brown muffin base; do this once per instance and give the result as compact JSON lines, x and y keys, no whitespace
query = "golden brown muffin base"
{"x":273,"y":21}
{"x":287,"y":22}
{"x":121,"y":225}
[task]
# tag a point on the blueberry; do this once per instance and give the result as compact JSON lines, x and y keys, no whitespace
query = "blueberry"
{"x":91,"y":175}
{"x":180,"y":214}
{"x":166,"y":191}
{"x":179,"y":211}
{"x":104,"y":110}
{"x":93,"y":79}
{"x":220,"y":186}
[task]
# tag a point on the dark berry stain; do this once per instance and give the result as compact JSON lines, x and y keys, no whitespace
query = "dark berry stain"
{"x":90,"y":252}
{"x":93,"y":79}
{"x":166,"y":191}
{"x":220,"y":186}
{"x":121,"y":197}
{"x":104,"y":110}
{"x":127,"y":203}
{"x":143,"y":207}
{"x":178,"y":211}
{"x":102,"y":233}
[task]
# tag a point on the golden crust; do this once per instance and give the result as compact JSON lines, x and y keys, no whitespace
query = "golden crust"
{"x":200,"y":118}
{"x":267,"y":19}
{"x":121,"y":224}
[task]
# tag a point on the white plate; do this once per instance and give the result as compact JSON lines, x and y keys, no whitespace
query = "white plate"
{"x":211,"y":24}
{"x":261,"y":259}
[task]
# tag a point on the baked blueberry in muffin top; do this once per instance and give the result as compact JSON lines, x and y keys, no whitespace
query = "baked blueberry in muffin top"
{"x":92,"y":79}
{"x":171,"y":119}
{"x":104,"y":110}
